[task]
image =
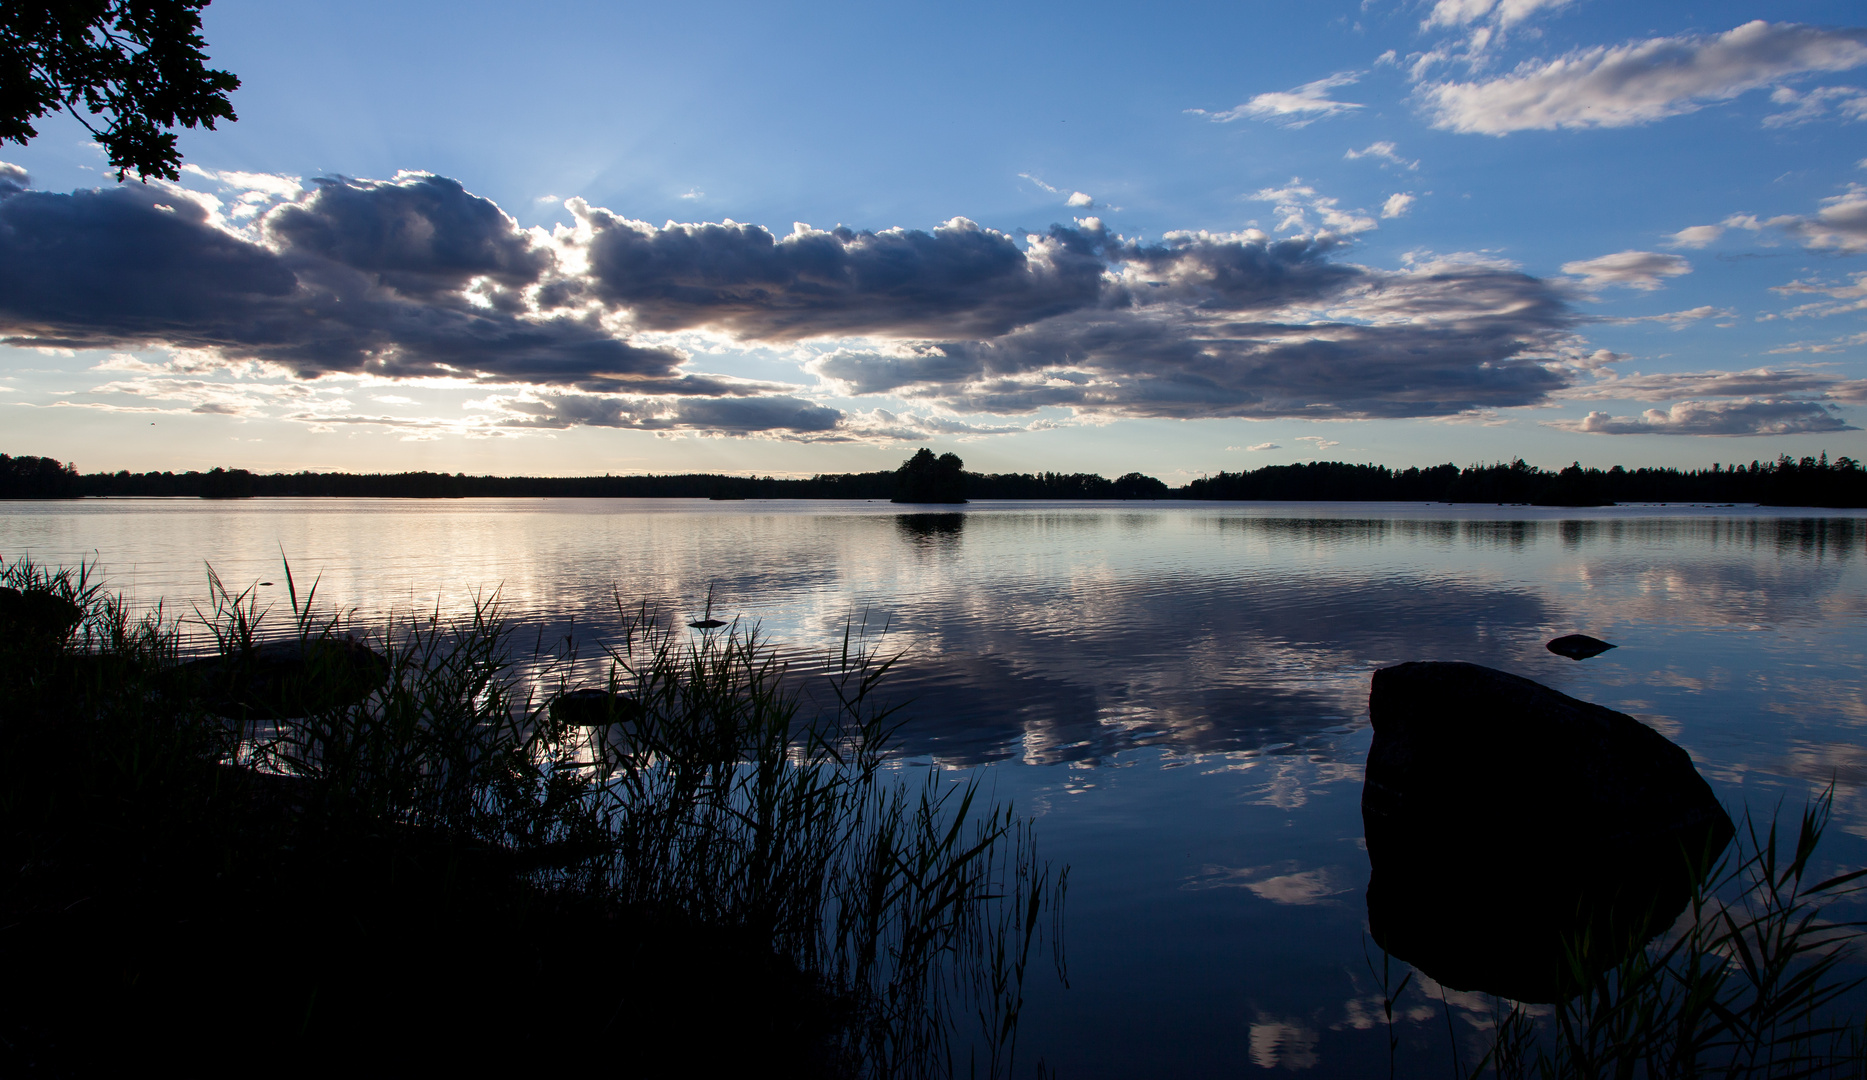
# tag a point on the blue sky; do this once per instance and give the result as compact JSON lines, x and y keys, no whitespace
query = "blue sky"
{"x":562,"y":239}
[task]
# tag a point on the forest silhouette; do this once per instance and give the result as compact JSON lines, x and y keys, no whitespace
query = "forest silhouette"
{"x":1786,"y":481}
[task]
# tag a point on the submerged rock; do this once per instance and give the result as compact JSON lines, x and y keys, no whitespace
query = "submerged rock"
{"x":1578,"y":646}
{"x":283,"y":679}
{"x":593,"y":707}
{"x":1508,"y":824}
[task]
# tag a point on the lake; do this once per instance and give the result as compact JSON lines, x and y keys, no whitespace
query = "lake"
{"x":1177,"y":692}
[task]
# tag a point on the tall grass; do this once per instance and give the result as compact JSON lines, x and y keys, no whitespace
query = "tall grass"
{"x":917,"y":900}
{"x":717,"y":865}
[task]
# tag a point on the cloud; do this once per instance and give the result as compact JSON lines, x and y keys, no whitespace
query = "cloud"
{"x":402,"y":279}
{"x":958,"y":279}
{"x":1321,"y":443}
{"x":1643,"y":81}
{"x":1296,"y":201}
{"x":1840,"y":225}
{"x":1458,"y":13}
{"x":267,"y":185}
{"x":1677,"y":319}
{"x":1296,"y":108}
{"x":1849,"y":102}
{"x":1397,"y":205}
{"x":1484,"y":23}
{"x":1214,"y":325}
{"x":1772,"y":383}
{"x":1385,"y":151}
{"x":1695,"y":236}
{"x":778,"y":414}
{"x":421,"y":236}
{"x":1845,"y":297}
{"x":1082,"y":200}
{"x":383,"y":282}
{"x":1633,"y":269}
{"x":908,"y":427}
{"x":1837,"y":345}
{"x":1255,"y":447}
{"x":1746,"y":417}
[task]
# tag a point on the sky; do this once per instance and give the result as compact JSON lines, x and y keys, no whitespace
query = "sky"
{"x":572,"y":239}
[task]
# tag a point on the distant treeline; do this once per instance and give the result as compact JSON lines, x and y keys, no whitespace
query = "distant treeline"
{"x":45,"y":478}
{"x":1783,"y":482}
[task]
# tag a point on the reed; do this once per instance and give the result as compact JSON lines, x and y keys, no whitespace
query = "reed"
{"x":228,"y":862}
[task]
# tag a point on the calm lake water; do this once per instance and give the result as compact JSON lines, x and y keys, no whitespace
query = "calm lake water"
{"x":1177,"y":692}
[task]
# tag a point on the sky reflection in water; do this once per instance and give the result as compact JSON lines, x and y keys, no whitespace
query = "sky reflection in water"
{"x":1178,"y":691}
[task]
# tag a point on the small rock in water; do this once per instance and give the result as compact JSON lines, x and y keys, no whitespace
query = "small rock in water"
{"x":593,"y":707}
{"x":1578,"y":646}
{"x":707,"y":624}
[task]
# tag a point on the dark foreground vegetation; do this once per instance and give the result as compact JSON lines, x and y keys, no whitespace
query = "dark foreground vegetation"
{"x":322,"y":852}
{"x":1783,"y":482}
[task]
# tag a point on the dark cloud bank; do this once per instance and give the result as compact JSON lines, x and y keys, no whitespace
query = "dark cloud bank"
{"x":417,"y":277}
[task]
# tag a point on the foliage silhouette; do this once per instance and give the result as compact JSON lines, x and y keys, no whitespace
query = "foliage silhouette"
{"x":139,"y":66}
{"x":925,"y":478}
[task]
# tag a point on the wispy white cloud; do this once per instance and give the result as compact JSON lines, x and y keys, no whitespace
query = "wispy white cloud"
{"x":1458,"y":13}
{"x":1642,"y":81}
{"x":1678,"y":320}
{"x":255,"y":191}
{"x":1321,"y":443}
{"x":1848,"y":102}
{"x":1844,"y":296}
{"x":1081,"y":200}
{"x":1299,"y":107}
{"x":275,"y":185}
{"x":1484,"y":23}
{"x":1397,"y":204}
{"x":1836,"y":345}
{"x":1695,"y":236}
{"x":1632,"y":269}
{"x":1383,"y":151}
{"x":1296,"y":202}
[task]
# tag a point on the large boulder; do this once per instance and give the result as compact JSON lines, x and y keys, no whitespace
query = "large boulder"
{"x":1522,"y":840}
